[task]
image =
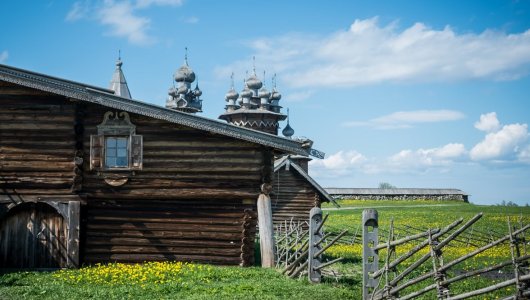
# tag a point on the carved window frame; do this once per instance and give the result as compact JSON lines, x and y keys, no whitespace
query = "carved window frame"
{"x":117,"y":125}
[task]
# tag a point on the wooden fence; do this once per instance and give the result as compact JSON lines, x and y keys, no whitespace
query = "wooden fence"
{"x":405,"y":276}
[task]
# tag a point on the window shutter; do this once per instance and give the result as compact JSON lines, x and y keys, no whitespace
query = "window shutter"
{"x":96,"y":151}
{"x":136,"y":152}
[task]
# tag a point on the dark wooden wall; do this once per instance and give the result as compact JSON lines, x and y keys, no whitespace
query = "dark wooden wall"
{"x":36,"y":142}
{"x":292,"y":197}
{"x":194,"y":199}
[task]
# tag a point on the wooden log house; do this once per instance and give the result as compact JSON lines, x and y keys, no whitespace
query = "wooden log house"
{"x":88,"y":176}
{"x":295,"y":193}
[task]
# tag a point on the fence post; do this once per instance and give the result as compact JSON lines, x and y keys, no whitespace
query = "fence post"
{"x":370,"y":255}
{"x":315,"y":235}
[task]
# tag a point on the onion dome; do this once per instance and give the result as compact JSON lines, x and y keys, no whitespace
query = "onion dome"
{"x":185,"y":73}
{"x":275,"y":95}
{"x":172,"y":91}
{"x":288,"y":131}
{"x":253,"y":82}
{"x":246,"y":92}
{"x":197,"y":92}
{"x":264,"y":93}
{"x":231,"y":94}
{"x":182,"y":90}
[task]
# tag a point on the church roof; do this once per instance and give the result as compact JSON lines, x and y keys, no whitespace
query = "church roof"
{"x":108,"y":98}
{"x":118,"y":83}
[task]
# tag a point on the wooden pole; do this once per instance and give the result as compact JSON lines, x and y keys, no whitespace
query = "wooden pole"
{"x":72,"y":247}
{"x":266,"y":229}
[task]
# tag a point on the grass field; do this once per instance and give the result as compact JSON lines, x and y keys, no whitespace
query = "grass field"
{"x":191,"y":281}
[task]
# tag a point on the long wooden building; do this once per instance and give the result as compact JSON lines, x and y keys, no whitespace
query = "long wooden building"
{"x":89,"y":176}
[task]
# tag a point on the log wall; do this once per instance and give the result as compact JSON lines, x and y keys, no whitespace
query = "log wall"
{"x":36,"y":142}
{"x":194,"y":199}
{"x":292,"y":197}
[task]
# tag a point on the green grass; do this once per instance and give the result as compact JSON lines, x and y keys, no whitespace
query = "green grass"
{"x":207,"y":282}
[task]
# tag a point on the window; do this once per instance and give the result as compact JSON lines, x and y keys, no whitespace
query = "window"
{"x":116,"y":152}
{"x":116,"y":146}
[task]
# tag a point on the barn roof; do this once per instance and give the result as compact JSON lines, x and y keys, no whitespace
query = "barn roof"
{"x":106,"y":97}
{"x":396,"y":191}
{"x":286,"y":160}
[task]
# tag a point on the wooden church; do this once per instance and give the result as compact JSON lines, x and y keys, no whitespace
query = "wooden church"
{"x":91,"y":175}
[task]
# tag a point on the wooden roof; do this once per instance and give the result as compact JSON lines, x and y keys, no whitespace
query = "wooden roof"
{"x":105,"y":97}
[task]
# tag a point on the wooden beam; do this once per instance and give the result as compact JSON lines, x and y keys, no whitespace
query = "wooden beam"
{"x":72,"y":258}
{"x":266,"y":231}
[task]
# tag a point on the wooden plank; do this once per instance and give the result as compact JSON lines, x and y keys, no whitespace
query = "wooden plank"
{"x":72,"y":256}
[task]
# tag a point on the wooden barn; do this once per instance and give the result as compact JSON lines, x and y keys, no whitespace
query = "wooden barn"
{"x":88,"y":175}
{"x":294,"y":191}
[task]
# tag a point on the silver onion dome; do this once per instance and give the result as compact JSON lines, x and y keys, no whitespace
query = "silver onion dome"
{"x":172,"y":91}
{"x":185,"y":73}
{"x":288,"y":131}
{"x":275,"y":95}
{"x":264,"y":93}
{"x":231,"y":94}
{"x":253,"y":82}
{"x":246,"y":92}
{"x":182,"y":90}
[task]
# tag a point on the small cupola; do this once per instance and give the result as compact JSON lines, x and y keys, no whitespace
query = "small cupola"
{"x":118,"y":83}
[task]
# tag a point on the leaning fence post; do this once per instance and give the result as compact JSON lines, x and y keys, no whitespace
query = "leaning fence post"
{"x":315,"y":237}
{"x":370,"y":255}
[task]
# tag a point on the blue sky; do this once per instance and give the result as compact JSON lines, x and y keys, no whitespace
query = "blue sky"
{"x":414,"y":93}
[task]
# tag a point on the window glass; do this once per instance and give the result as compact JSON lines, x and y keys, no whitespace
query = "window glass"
{"x":116,"y":152}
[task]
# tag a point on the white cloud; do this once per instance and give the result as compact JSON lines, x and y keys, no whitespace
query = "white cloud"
{"x":406,"y":119}
{"x":147,"y":3}
{"x":524,"y":155}
{"x":498,"y":145}
{"x":340,"y":163}
{"x":370,"y":53}
{"x":120,"y":17}
{"x":422,"y":159}
{"x":488,"y":122}
{"x":78,"y":11}
{"x":3,"y":56}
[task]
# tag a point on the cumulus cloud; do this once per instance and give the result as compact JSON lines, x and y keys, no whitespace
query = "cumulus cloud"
{"x":497,"y":145}
{"x":488,"y":122}
{"x":406,"y":119}
{"x":122,"y":21}
{"x":122,"y":18}
{"x":340,"y":163}
{"x":370,"y":53}
{"x":3,"y":56}
{"x":524,"y":155}
{"x":422,"y":159}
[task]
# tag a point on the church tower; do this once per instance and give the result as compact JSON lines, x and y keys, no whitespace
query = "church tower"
{"x":255,"y":107}
{"x":183,"y":97}
{"x":118,"y":83}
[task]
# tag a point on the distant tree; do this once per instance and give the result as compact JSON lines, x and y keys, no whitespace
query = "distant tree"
{"x":386,"y":185}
